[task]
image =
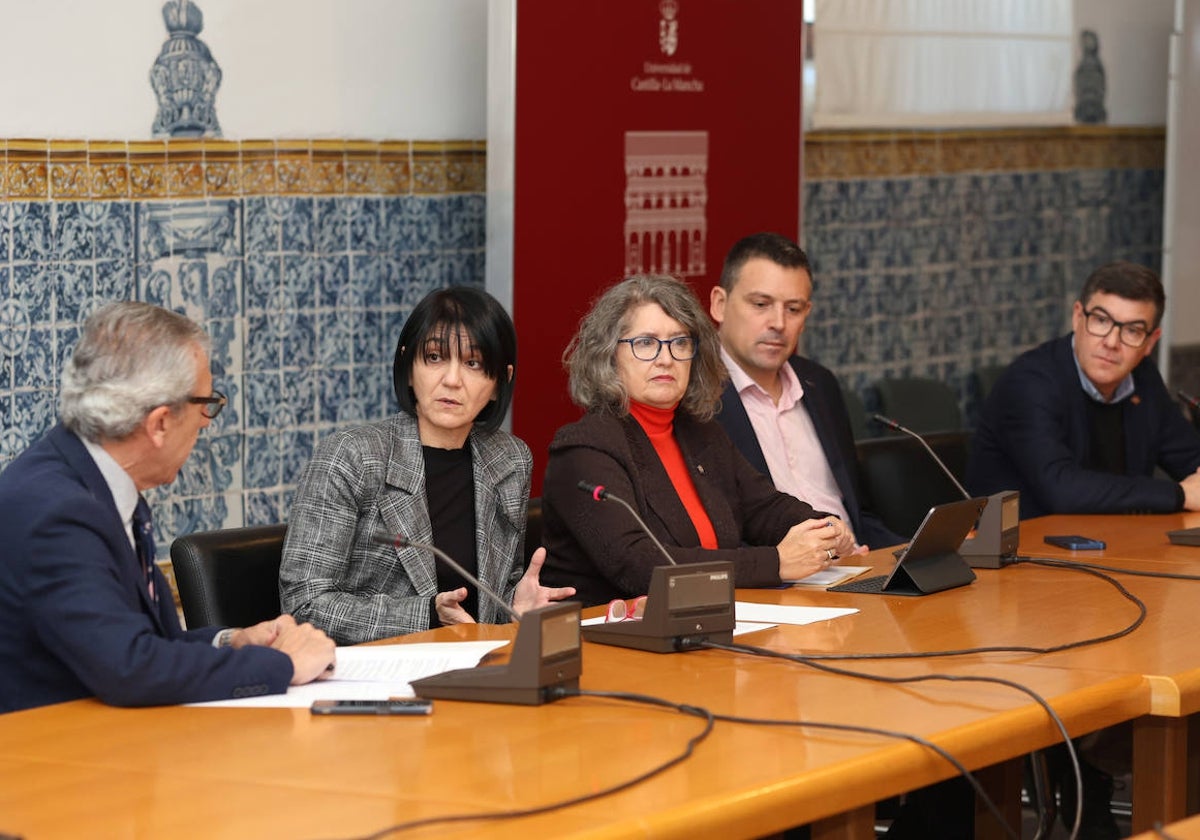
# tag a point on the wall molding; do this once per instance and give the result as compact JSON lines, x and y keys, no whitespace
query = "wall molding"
{"x":64,"y":170}
{"x":875,"y":154}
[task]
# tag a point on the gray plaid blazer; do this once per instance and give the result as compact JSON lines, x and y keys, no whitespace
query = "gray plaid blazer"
{"x":341,"y":570}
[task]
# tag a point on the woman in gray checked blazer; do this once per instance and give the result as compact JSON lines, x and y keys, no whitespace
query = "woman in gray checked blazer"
{"x":440,"y":471}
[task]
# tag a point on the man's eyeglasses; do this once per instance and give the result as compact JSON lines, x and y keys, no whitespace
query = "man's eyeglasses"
{"x":1100,"y":324}
{"x":211,"y":405}
{"x":646,"y":347}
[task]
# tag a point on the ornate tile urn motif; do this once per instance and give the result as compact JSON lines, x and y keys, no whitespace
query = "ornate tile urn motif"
{"x":185,"y":77}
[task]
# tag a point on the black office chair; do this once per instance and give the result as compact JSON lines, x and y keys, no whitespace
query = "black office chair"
{"x":533,"y":528}
{"x":231,"y":577}
{"x":921,"y":404}
{"x":901,"y":482}
{"x":979,"y":385}
{"x":857,"y":413}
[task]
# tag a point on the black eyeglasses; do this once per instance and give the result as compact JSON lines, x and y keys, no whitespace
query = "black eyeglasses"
{"x":647,"y":347}
{"x":212,"y":405}
{"x":1100,"y":324}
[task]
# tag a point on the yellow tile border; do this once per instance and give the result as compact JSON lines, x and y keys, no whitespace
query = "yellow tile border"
{"x":27,"y":169}
{"x":875,"y":154}
{"x":204,"y":168}
{"x":42,"y":169}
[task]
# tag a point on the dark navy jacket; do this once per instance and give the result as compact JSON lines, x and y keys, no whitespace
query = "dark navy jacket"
{"x":76,"y":619}
{"x":1033,"y":436}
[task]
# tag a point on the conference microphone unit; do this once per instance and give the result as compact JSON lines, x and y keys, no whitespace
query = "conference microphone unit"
{"x":998,"y":530}
{"x":688,"y":604}
{"x":546,"y":655}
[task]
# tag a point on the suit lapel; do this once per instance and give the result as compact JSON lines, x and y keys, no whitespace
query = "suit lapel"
{"x":404,"y":510}
{"x":497,"y":516}
{"x":827,"y":436}
{"x":737,"y":424}
{"x":130,"y":568}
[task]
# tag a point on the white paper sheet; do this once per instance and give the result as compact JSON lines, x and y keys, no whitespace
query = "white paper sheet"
{"x":373,"y":672}
{"x":776,"y":614}
{"x":739,"y":627}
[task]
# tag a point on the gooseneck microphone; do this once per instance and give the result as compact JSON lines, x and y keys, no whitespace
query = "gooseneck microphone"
{"x":597,"y":492}
{"x":687,"y":606}
{"x":1192,"y":402}
{"x":892,"y":424}
{"x":402,"y":541}
{"x":546,"y":658}
{"x":998,"y":531}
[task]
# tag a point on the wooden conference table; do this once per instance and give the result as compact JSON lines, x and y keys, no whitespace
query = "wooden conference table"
{"x":1166,"y":648}
{"x":1188,"y":829}
{"x":83,"y":769}
{"x":1043,"y":607}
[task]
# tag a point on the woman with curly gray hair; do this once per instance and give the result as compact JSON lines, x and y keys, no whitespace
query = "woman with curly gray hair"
{"x":645,"y":365}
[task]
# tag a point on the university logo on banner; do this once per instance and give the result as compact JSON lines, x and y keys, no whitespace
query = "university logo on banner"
{"x":671,"y":131}
{"x":668,"y":27}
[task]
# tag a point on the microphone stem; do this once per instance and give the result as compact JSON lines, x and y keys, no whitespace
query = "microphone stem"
{"x":893,"y":424}
{"x":480,"y":585}
{"x":610,"y":497}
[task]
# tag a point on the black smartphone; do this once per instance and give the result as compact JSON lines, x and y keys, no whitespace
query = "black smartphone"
{"x":393,"y":706}
{"x":1074,"y":542}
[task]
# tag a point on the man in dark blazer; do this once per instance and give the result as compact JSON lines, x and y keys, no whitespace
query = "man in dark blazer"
{"x":784,"y":412}
{"x":1079,"y":424}
{"x":83,"y":609}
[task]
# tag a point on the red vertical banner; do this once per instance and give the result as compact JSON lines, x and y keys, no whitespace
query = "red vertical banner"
{"x":649,"y":136}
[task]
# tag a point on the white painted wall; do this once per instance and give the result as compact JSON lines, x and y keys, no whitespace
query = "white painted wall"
{"x":364,"y":68}
{"x":369,"y":69}
{"x":1134,"y":35}
{"x":1181,"y":254}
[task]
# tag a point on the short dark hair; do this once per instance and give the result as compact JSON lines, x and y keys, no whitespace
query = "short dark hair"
{"x":768,"y":246}
{"x":440,"y":316}
{"x":1127,"y":280}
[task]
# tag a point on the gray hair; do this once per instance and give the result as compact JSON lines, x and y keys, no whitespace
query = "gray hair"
{"x":591,"y":357}
{"x":131,"y":358}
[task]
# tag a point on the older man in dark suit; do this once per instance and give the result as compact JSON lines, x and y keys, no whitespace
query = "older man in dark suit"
{"x":83,"y":609}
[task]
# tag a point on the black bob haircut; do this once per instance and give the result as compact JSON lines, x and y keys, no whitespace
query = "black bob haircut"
{"x":441,"y":316}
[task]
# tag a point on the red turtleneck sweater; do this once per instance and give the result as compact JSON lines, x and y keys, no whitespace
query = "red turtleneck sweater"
{"x":659,"y":426}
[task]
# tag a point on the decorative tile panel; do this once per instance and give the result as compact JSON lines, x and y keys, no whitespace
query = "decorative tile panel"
{"x":934,"y":253}
{"x":28,"y":169}
{"x":147,"y":169}
{"x":69,"y":171}
{"x":108,"y":170}
{"x":302,"y":259}
{"x":938,"y":253}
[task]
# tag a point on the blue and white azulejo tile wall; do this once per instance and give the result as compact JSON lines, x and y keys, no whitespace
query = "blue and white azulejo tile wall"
{"x":303,"y":295}
{"x":939,"y":253}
